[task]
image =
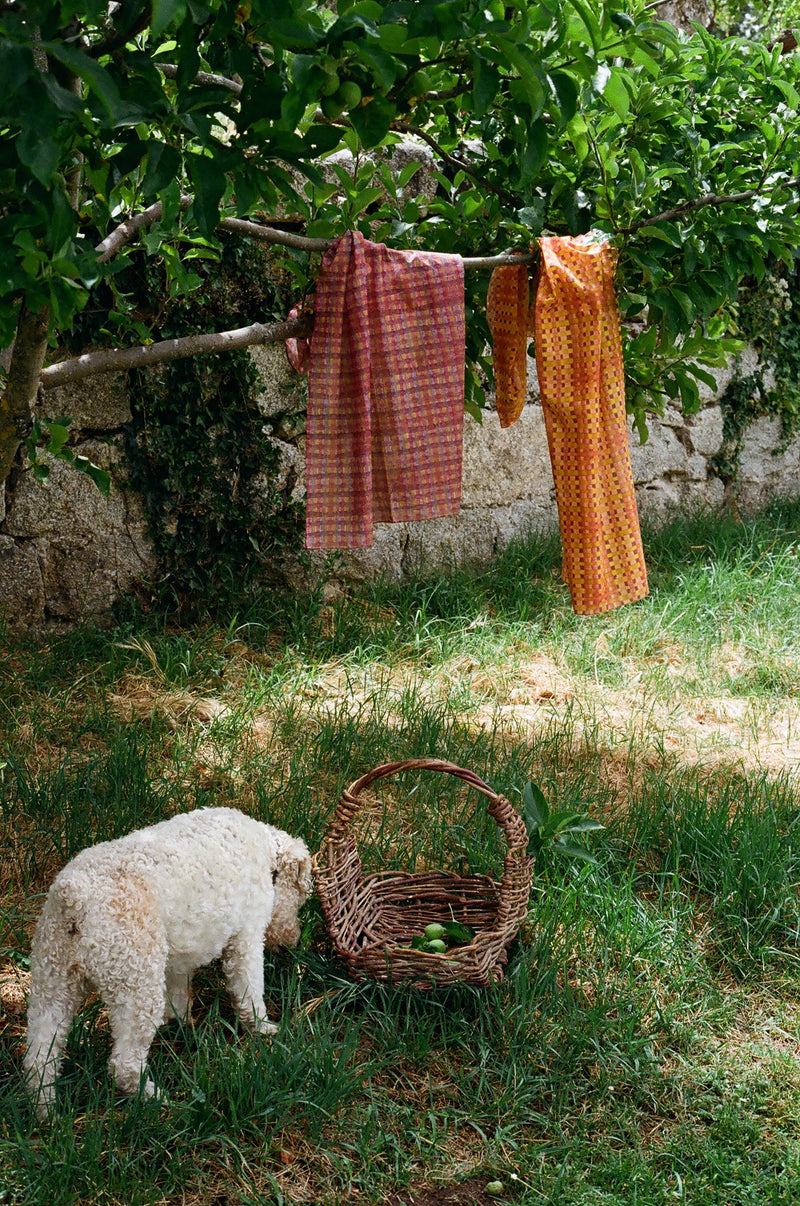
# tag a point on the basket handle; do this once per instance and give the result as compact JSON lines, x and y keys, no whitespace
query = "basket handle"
{"x":507,"y":818}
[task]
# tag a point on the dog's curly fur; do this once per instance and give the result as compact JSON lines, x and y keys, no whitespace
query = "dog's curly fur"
{"x":133,"y":918}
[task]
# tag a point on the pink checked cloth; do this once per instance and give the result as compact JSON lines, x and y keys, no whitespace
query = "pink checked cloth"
{"x":385,"y":391}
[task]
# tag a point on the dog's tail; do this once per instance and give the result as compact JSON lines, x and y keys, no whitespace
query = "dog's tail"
{"x":56,"y":992}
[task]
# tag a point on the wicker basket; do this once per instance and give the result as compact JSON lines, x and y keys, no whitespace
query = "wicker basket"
{"x":372,"y":918}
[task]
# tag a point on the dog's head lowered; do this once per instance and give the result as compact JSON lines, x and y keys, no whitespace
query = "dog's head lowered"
{"x":293,"y":885}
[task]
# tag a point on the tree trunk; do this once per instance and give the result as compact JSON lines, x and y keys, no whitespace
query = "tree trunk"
{"x":18,"y":403}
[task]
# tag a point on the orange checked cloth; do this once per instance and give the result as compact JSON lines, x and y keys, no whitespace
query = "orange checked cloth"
{"x":385,"y":391}
{"x":579,"y":363}
{"x":507,"y":301}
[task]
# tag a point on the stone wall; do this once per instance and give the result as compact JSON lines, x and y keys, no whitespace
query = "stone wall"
{"x":67,"y":553}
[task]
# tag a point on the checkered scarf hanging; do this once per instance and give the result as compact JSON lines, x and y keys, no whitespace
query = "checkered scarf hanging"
{"x":385,"y":391}
{"x":579,"y":363}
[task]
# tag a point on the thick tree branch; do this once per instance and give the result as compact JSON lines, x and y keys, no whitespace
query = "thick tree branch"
{"x":143,"y":356}
{"x":269,"y":234}
{"x":171,"y":349}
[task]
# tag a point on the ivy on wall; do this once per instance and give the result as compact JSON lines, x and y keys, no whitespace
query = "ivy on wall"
{"x":769,"y":319}
{"x":198,"y":448}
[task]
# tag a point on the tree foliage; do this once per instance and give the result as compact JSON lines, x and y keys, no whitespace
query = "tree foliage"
{"x":558,"y":116}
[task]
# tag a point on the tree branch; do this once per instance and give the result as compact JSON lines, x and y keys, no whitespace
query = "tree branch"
{"x":669,"y":215}
{"x":170,"y":70}
{"x":66,"y":371}
{"x":256,"y":230}
{"x":405,"y":127}
{"x":269,"y":234}
{"x":123,"y":233}
{"x":116,"y":39}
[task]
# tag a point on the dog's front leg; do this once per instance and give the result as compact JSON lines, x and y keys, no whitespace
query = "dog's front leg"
{"x":243,"y":964}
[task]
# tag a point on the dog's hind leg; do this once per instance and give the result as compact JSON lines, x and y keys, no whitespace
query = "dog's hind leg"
{"x":133,"y":1025}
{"x":132,"y":983}
{"x":56,"y":992}
{"x":243,"y":964}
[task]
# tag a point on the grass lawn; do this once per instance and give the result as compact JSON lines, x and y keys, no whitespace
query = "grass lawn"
{"x":644,"y":1046}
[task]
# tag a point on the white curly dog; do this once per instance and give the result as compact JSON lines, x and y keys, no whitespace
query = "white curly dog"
{"x":133,"y":918}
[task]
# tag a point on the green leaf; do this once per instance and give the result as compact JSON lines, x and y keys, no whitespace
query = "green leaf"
{"x":566,"y":91}
{"x":586,"y":827}
{"x":789,"y":94}
{"x":485,"y":83}
{"x":208,"y":182}
{"x":166,"y":12}
{"x":163,"y":167}
{"x":640,"y":423}
{"x":573,"y":851}
{"x":622,"y":21}
{"x":58,"y":434}
{"x":100,"y":477}
{"x":532,"y":216}
{"x":535,"y":150}
{"x":97,"y":79}
{"x":371,"y":121}
{"x":39,"y":152}
{"x":667,"y":231}
{"x":458,"y":933}
{"x":392,"y":36}
{"x":542,"y":16}
{"x":293,"y":33}
{"x":383,"y":68}
{"x":579,"y":136}
{"x":530,"y":75}
{"x":363,"y":200}
{"x":617,"y":94}
{"x":16,"y":67}
{"x":63,"y":222}
{"x":64,"y":101}
{"x":320,"y":139}
{"x":590,"y":21}
{"x":537,"y":809}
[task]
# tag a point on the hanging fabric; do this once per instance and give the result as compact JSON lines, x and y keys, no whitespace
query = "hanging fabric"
{"x":507,"y":303}
{"x":385,"y":391}
{"x":581,"y":381}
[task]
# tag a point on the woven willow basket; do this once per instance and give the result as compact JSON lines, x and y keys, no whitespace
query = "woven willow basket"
{"x":372,"y":918}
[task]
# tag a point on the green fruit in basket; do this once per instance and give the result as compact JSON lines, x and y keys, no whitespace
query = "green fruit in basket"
{"x":436,"y":946}
{"x":434,"y":931}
